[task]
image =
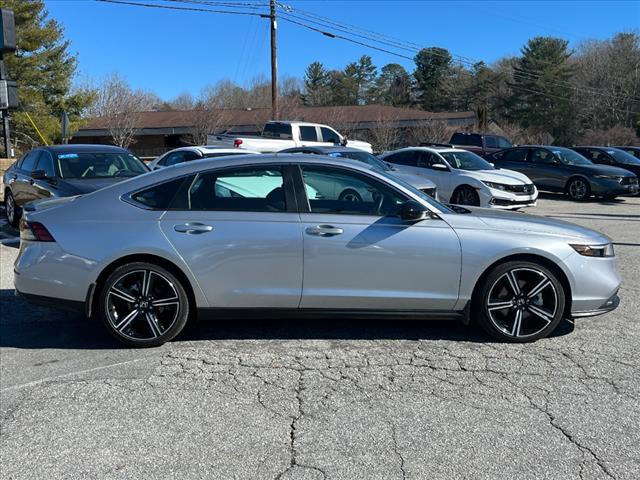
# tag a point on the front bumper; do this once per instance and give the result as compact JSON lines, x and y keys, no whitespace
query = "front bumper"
{"x":606,"y":307}
{"x":613,"y":188}
{"x":493,"y":198}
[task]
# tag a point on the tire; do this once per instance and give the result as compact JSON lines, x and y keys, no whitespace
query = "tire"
{"x":129,"y":313}
{"x":465,"y":195}
{"x":12,"y":211}
{"x":578,"y":189}
{"x":350,"y":195}
{"x":519,"y":317}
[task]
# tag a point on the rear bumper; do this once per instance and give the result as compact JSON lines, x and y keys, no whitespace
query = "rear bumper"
{"x":51,"y":302}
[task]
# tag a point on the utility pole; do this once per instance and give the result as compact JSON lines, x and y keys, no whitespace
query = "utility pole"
{"x":274,"y":62}
{"x":6,"y":131}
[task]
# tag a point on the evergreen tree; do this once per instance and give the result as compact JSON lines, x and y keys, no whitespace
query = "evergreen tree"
{"x":44,"y":70}
{"x":433,"y":67}
{"x":542,"y":95}
{"x":394,"y":86}
{"x":316,"y":85}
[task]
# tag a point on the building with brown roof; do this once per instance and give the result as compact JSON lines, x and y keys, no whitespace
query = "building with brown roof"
{"x":157,"y":132}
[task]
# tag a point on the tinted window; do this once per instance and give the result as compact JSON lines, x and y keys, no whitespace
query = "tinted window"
{"x":277,"y":130}
{"x":427,"y":159}
{"x":252,"y":189}
{"x":341,"y":192}
{"x":308,"y":134}
{"x":100,"y":165}
{"x":623,"y":157}
{"x":329,"y":135}
{"x":178,"y":157}
{"x":471,"y":139}
{"x":518,"y":155}
{"x":491,"y":142}
{"x":29,"y":162}
{"x":159,"y":196}
{"x":402,"y":158}
{"x":504,"y":143}
{"x":538,"y":155}
{"x":46,"y":163}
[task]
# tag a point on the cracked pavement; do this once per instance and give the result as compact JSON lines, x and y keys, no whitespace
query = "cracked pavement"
{"x":335,"y":399}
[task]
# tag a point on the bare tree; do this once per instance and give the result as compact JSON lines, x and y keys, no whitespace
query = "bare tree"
{"x":121,"y":108}
{"x":430,"y":131}
{"x":384,"y":135}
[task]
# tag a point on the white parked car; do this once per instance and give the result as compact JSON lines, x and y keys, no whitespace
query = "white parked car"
{"x":277,"y":136}
{"x":186,"y":154}
{"x":464,"y":178}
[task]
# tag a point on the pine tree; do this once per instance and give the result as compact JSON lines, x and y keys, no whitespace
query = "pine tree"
{"x":433,"y":68}
{"x":44,"y":70}
{"x":316,"y":85}
{"x":394,"y":85}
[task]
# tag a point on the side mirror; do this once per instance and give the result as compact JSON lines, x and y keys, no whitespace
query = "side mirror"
{"x":39,"y":175}
{"x":440,"y":166}
{"x":414,"y":212}
{"x":343,"y":142}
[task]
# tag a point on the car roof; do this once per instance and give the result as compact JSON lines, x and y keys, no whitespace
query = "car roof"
{"x":428,"y":149}
{"x":323,"y":149}
{"x":83,"y":148}
{"x":600,"y":147}
{"x":210,"y":149}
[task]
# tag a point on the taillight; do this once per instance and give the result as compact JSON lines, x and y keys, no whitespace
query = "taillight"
{"x":237,"y":142}
{"x":34,"y":232}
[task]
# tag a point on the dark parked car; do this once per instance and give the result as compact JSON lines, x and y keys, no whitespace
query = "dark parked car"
{"x":479,"y":143}
{"x":610,"y":156}
{"x":65,"y":171}
{"x":631,"y":150}
{"x":559,"y":169}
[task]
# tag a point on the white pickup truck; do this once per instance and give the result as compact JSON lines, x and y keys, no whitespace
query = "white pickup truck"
{"x":277,"y":136}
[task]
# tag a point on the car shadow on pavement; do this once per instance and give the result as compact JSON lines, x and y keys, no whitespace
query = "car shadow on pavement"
{"x":563,"y":198}
{"x":23,"y":325}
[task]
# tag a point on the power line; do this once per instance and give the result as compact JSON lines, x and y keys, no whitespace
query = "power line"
{"x":192,"y":9}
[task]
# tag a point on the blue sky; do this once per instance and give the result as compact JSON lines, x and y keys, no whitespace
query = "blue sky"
{"x":170,"y":52}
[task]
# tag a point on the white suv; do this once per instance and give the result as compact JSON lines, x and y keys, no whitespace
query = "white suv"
{"x":464,"y":178}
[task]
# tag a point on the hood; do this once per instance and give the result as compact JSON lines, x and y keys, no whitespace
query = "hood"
{"x":516,"y":222}
{"x":360,"y":145}
{"x":88,"y":185}
{"x":417,"y":181}
{"x":508,"y":177}
{"x":599,"y":169}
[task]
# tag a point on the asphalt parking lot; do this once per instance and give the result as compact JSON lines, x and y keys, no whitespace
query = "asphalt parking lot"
{"x":335,"y":399}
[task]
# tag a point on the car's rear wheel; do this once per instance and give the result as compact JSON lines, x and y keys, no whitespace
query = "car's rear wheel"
{"x":520,"y":302}
{"x":578,"y":189}
{"x":143,"y":305}
{"x":465,"y":195}
{"x":11,"y":209}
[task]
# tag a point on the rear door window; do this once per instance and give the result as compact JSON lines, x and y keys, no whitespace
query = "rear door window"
{"x":160,"y":197}
{"x":308,"y":134}
{"x":402,"y":158}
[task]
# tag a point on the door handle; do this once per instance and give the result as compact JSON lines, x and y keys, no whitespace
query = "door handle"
{"x":193,"y":228}
{"x":324,"y":231}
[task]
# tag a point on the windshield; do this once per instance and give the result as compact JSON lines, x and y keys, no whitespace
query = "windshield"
{"x":623,"y":157}
{"x":466,"y":161}
{"x":100,"y":165}
{"x":363,"y":157}
{"x":570,"y":157}
{"x":430,"y":200}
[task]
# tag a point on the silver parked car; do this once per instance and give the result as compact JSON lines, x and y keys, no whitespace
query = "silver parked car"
{"x":266,"y":233}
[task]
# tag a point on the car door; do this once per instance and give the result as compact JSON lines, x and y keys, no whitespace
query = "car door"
{"x":309,"y":136}
{"x":329,"y":137}
{"x":549,"y":172}
{"x":517,"y":159}
{"x":44,"y":187}
{"x":361,"y":255}
{"x":442,"y":178}
{"x":240,"y":234}
{"x":22,"y":186}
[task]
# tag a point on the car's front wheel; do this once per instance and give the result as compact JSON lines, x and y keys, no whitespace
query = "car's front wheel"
{"x":11,"y":209}
{"x":465,"y":195}
{"x":143,"y":305}
{"x":578,"y":189}
{"x":520,"y":302}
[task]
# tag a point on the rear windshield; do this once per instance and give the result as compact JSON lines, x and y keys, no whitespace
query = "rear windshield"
{"x":277,"y":130}
{"x":100,"y":165}
{"x":470,"y":139}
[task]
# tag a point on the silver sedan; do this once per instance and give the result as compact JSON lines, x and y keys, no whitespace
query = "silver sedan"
{"x":269,"y":234}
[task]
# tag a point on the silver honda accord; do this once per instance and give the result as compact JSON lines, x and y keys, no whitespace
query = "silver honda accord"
{"x":277,"y":234}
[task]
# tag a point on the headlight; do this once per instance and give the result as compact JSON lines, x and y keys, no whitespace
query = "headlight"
{"x":609,"y":177}
{"x":497,"y":186}
{"x":605,"y":250}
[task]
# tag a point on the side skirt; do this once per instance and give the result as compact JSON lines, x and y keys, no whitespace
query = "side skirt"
{"x":319,"y":313}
